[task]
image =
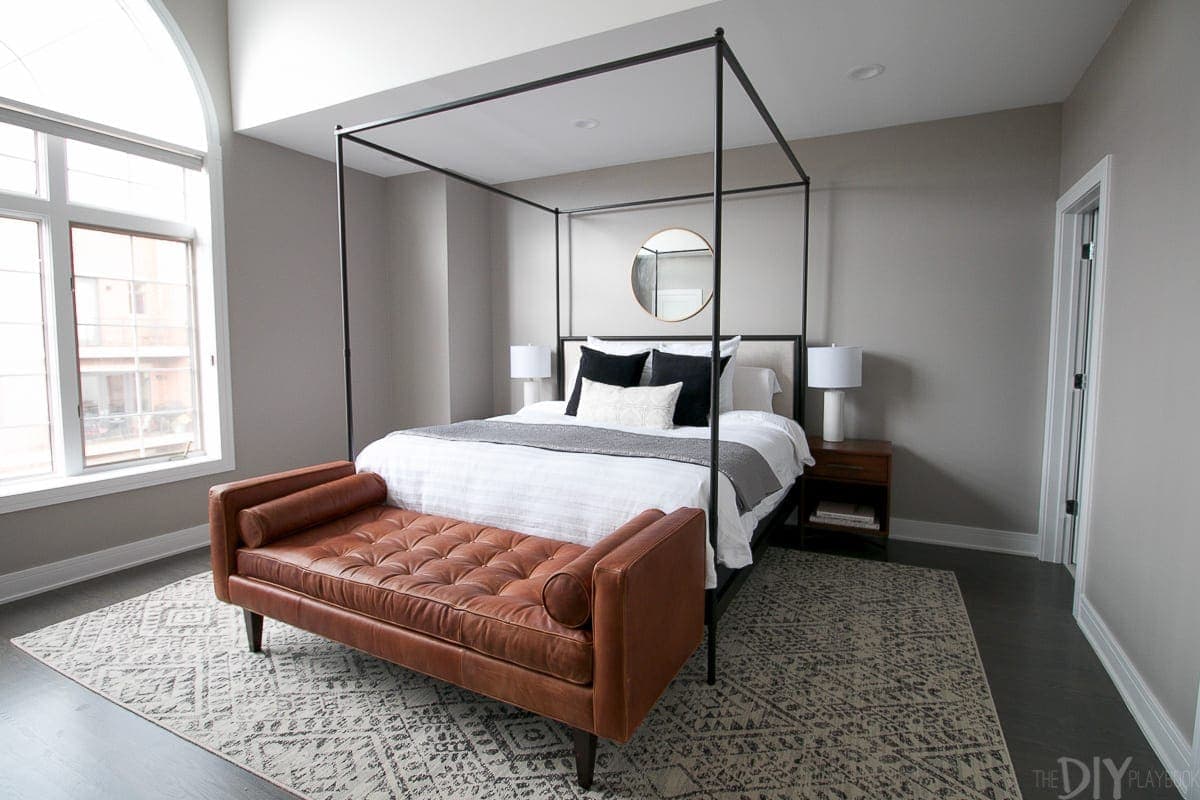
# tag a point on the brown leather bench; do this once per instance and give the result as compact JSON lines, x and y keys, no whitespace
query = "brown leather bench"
{"x":589,"y":636}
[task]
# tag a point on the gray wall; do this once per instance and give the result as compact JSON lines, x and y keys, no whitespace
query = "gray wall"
{"x":469,"y":266}
{"x":931,"y":248}
{"x":418,"y":261}
{"x":1138,"y":101}
{"x":439,"y":263}
{"x":285,"y":331}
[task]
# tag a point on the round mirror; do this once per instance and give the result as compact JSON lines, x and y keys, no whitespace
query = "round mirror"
{"x":672,"y":274}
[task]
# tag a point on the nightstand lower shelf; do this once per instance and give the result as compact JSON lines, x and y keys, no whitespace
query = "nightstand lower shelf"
{"x":809,"y":525}
{"x":857,"y":473}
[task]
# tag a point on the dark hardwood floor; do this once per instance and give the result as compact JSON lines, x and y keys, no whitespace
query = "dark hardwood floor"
{"x":1052,"y":694}
{"x":59,"y":740}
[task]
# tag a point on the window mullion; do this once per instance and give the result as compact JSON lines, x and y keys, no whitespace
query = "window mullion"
{"x":64,"y":351}
{"x":119,"y":220}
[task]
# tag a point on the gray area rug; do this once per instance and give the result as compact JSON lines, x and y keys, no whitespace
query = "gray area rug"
{"x":839,"y":678}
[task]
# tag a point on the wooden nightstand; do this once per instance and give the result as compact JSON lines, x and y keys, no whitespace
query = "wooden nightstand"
{"x":855,"y":471}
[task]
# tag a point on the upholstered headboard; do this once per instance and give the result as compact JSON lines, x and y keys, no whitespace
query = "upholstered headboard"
{"x":784,"y":354}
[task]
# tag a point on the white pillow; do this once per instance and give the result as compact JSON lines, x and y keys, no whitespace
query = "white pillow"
{"x":754,"y":388}
{"x":632,"y":406}
{"x":729,"y":347}
{"x":619,"y":348}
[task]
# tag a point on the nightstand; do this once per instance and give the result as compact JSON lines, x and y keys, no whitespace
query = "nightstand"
{"x":857,"y":471}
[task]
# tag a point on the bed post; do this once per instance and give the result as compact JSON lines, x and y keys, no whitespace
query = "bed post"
{"x":558,"y":343}
{"x":714,"y":408}
{"x":341,"y":212}
{"x":802,"y":378}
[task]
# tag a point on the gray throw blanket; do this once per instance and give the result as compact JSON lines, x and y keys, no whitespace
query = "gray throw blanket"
{"x":747,"y":470}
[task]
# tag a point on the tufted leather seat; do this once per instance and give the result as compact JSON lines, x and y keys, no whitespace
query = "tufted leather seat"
{"x":472,"y":585}
{"x":594,"y":648}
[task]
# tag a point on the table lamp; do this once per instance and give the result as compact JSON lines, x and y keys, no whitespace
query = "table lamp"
{"x":530,"y":363}
{"x":834,"y":369}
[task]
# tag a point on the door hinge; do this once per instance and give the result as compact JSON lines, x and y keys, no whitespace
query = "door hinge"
{"x":1080,"y":381}
{"x":1088,"y":251}
{"x":1072,"y":507}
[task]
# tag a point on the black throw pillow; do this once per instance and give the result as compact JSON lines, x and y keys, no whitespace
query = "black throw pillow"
{"x":695,"y":373}
{"x":605,"y":368}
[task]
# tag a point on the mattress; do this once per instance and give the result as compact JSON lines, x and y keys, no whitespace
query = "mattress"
{"x":582,"y":497}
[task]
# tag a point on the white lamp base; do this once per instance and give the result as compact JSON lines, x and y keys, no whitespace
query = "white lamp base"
{"x":533,"y":391}
{"x":835,"y":400}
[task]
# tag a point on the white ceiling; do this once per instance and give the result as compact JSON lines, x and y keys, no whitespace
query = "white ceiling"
{"x":287,"y":57}
{"x":944,"y":58}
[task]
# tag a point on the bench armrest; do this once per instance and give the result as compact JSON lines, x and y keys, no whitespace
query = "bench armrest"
{"x":647,"y":618}
{"x":226,"y":500}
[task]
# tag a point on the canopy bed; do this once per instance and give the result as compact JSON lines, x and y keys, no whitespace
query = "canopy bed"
{"x":784,"y":355}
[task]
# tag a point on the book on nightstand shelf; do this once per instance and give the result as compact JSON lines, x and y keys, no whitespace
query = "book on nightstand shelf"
{"x":849,"y":514}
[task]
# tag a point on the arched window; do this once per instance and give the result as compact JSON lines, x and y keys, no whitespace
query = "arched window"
{"x":112,"y":340}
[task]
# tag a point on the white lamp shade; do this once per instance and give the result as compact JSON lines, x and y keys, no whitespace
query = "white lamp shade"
{"x":834,"y":367}
{"x":529,"y":361}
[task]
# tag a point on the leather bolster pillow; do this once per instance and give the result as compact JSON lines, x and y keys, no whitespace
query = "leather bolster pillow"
{"x":283,"y":516}
{"x":567,"y":594}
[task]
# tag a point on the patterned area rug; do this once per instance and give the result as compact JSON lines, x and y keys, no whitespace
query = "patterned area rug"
{"x":839,"y":678}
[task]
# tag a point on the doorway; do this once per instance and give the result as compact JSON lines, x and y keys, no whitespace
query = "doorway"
{"x":1074,"y":369}
{"x":1080,"y":334}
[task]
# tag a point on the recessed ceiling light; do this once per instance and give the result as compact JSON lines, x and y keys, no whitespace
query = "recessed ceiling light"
{"x":586,"y":124}
{"x":865,"y":72}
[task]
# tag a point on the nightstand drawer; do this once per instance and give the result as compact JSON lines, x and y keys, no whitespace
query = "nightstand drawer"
{"x":850,"y":467}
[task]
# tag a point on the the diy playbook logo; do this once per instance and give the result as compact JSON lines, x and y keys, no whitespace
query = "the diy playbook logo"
{"x":1099,"y":779}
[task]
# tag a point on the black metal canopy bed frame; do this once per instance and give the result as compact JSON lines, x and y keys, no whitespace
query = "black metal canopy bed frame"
{"x":728,"y":580}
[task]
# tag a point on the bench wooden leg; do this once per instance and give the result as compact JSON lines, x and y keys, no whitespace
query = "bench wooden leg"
{"x":254,"y":625}
{"x":585,"y":756}
{"x":712,"y":653}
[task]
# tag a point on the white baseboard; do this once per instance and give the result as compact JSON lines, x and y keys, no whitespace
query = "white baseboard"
{"x":1010,"y":542}
{"x":1166,"y":740}
{"x":1194,"y":789}
{"x":44,"y":577}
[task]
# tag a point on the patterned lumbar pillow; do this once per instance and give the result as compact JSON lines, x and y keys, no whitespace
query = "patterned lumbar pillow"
{"x":633,"y":406}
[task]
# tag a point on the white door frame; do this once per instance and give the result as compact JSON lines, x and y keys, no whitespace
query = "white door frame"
{"x":1092,"y":187}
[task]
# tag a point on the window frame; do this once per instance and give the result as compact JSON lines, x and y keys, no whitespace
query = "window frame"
{"x":46,"y":325}
{"x":205,"y":234}
{"x":194,"y":354}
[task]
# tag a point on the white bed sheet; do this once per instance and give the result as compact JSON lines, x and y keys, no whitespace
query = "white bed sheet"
{"x":581,"y":497}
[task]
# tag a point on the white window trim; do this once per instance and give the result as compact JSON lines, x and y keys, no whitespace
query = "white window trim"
{"x":36,"y":493}
{"x":66,"y":126}
{"x":209,"y":246}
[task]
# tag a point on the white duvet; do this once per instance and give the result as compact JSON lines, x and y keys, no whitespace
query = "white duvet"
{"x":581,"y":497}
